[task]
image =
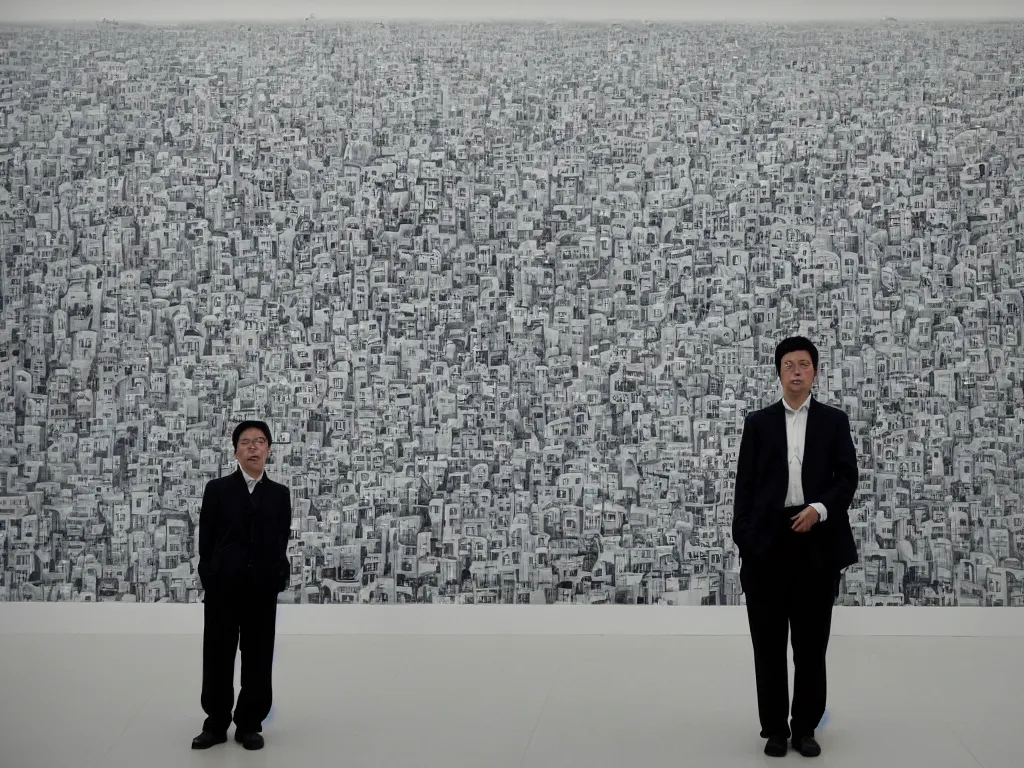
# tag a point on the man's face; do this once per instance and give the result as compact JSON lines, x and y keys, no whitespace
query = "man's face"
{"x":252,"y":451}
{"x":797,"y":373}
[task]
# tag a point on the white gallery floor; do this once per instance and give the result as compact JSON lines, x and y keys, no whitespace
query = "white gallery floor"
{"x":120,"y":701}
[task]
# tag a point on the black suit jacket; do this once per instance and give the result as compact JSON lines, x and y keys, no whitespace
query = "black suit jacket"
{"x":829,"y":476}
{"x":242,"y":546}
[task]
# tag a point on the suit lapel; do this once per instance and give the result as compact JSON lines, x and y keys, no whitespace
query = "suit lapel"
{"x":780,"y":436}
{"x":811,"y":441}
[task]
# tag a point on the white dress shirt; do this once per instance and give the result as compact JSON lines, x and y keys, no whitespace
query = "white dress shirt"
{"x":796,"y":433}
{"x":251,"y":481}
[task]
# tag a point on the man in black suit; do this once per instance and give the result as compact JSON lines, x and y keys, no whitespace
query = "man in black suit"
{"x":244,"y":527}
{"x":795,"y":479}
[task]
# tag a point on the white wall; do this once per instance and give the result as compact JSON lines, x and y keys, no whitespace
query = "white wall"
{"x":178,"y":619}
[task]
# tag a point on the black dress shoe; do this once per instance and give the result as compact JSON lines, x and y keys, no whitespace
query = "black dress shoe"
{"x":206,"y":739}
{"x":807,"y":746}
{"x":776,"y":747}
{"x":249,"y":740}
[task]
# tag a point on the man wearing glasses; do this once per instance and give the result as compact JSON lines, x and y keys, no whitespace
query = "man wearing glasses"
{"x":244,"y":527}
{"x":795,"y":480}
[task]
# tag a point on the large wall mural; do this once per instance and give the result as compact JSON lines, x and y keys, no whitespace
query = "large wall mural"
{"x":505,"y":294}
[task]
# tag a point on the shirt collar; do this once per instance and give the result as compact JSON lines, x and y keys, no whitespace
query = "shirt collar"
{"x":804,"y":407}
{"x":249,"y":479}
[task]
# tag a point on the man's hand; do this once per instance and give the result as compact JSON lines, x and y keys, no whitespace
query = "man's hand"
{"x":803,"y":522}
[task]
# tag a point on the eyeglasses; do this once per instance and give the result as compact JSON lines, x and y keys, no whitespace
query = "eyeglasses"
{"x":258,"y":441}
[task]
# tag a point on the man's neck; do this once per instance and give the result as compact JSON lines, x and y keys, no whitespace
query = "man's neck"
{"x":251,"y":477}
{"x":795,"y":401}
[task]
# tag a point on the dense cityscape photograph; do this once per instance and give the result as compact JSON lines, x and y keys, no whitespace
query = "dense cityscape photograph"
{"x":505,"y":294}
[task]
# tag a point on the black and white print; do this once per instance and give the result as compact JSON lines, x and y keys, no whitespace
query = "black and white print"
{"x":505,"y":293}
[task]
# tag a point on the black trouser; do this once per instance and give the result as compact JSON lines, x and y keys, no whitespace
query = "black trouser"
{"x":245,"y":619}
{"x":790,"y":591}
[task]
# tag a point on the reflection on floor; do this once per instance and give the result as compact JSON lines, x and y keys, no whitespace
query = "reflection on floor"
{"x":490,"y":702}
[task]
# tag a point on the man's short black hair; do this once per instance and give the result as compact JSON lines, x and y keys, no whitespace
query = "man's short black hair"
{"x":795,"y":344}
{"x":260,"y":425}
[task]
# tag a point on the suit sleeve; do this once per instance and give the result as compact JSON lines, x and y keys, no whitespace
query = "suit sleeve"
{"x":845,"y":475}
{"x":207,"y":533}
{"x":283,"y":538}
{"x":743,"y":493}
